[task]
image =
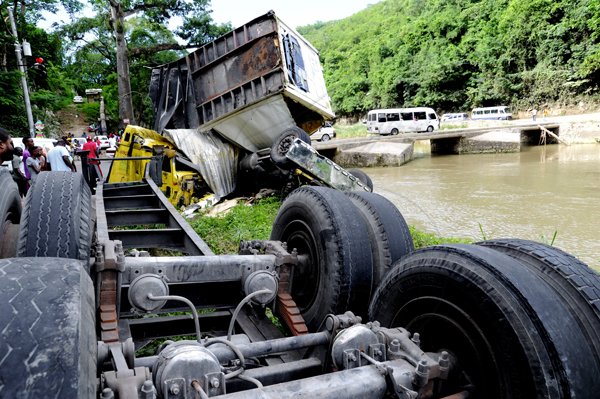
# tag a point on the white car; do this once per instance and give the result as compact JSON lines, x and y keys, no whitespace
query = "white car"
{"x":455,"y":117}
{"x":324,"y":133}
{"x":78,"y":100}
{"x":104,"y":144}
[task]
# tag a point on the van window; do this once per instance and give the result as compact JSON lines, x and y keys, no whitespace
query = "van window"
{"x":487,"y":111}
{"x":381,"y":118}
{"x":407,"y":116}
{"x":432,"y":116}
{"x":420,"y":116}
{"x":494,"y":111}
{"x":393,"y":117}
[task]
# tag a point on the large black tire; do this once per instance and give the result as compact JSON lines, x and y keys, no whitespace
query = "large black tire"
{"x":56,"y":219}
{"x":10,"y":214}
{"x":388,"y":231}
{"x":512,"y":334}
{"x":333,"y":243}
{"x":283,"y":143}
{"x":47,"y":334}
{"x":573,"y":281}
{"x":362,"y":176}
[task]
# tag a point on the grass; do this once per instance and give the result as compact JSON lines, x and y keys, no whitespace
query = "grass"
{"x":351,"y":131}
{"x":243,"y":222}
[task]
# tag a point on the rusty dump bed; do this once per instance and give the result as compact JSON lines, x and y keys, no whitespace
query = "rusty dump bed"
{"x":249,"y":85}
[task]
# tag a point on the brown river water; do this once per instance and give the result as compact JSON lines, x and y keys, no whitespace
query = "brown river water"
{"x":530,"y":195}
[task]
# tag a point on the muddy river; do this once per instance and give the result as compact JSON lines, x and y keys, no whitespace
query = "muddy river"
{"x":532,"y":194}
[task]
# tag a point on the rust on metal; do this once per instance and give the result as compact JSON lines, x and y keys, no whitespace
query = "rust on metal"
{"x":288,"y":310}
{"x":109,"y":331}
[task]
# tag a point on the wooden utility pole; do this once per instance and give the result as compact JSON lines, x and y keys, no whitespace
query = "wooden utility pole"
{"x":125,"y":100}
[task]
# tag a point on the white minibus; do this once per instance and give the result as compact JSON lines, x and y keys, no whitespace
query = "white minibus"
{"x":499,"y":112}
{"x":396,"y":120}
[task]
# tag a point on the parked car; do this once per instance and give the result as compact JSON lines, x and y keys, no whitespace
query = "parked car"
{"x":324,"y":133}
{"x":104,"y":144}
{"x":78,"y":100}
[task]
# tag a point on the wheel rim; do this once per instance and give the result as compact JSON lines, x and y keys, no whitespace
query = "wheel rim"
{"x":430,"y":128}
{"x":445,"y":323}
{"x":306,"y":276}
{"x":285,"y":144}
{"x":394,"y":131}
{"x":325,"y":138}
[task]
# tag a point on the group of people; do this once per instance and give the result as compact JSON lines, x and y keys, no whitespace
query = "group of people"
{"x":31,"y":160}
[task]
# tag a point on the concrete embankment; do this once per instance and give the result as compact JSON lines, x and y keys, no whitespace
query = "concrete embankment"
{"x":375,"y":154}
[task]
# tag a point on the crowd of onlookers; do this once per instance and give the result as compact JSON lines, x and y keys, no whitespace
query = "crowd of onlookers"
{"x":27,"y":161}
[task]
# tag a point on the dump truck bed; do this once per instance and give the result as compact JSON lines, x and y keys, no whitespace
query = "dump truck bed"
{"x":249,"y":85}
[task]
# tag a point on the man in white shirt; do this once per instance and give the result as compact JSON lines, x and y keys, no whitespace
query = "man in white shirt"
{"x":60,"y":159}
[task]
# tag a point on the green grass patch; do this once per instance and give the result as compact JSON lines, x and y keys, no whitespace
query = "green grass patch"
{"x":243,"y":222}
{"x":351,"y":131}
{"x":422,"y":239}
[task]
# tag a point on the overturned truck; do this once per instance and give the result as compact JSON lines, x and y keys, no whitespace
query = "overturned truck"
{"x":244,"y":98}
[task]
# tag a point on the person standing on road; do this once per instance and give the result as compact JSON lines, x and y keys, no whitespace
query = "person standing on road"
{"x":18,"y":171}
{"x":6,"y":146}
{"x":59,"y":158}
{"x":93,"y":164}
{"x":533,"y":114}
{"x":28,"y":144}
{"x":33,"y":163}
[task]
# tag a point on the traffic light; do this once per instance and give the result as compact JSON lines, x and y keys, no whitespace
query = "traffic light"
{"x":39,"y":66}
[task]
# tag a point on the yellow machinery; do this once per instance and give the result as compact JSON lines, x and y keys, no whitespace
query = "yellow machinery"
{"x":179,"y":179}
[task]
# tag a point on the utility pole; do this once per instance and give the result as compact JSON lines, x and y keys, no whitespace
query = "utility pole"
{"x":23,"y":73}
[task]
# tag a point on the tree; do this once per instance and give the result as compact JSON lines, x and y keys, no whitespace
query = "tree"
{"x":197,"y":28}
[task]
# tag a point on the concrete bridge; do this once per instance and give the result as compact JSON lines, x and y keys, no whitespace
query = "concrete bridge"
{"x":496,"y":136}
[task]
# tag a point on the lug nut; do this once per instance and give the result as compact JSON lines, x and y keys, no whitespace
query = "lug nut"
{"x":174,"y":389}
{"x":214,"y":383}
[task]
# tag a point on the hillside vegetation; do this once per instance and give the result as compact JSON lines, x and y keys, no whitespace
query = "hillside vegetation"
{"x":454,"y":55}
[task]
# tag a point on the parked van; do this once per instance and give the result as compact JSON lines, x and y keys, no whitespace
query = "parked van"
{"x":455,"y":117}
{"x":396,"y":120}
{"x":499,"y":112}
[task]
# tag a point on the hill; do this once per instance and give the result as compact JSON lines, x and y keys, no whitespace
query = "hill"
{"x":455,"y":55}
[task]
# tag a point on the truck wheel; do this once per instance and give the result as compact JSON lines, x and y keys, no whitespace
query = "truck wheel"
{"x":394,"y":131}
{"x":283,"y":143}
{"x":511,"y":333}
{"x":430,"y":128}
{"x":56,"y":218}
{"x":10,"y":215}
{"x":573,"y":280}
{"x":389,"y":234}
{"x":47,"y":334}
{"x":334,"y":250}
{"x":363,"y":177}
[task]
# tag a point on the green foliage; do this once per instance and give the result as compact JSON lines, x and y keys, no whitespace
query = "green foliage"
{"x":90,"y":111}
{"x":422,"y":239}
{"x":350,"y":131}
{"x":454,"y":56}
{"x":243,"y":222}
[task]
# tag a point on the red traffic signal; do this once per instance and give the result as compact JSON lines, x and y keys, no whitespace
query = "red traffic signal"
{"x":39,"y":60}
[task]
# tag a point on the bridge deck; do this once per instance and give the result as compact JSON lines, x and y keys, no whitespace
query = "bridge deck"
{"x":438,"y":134}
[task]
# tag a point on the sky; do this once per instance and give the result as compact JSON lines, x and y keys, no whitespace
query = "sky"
{"x":293,"y":13}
